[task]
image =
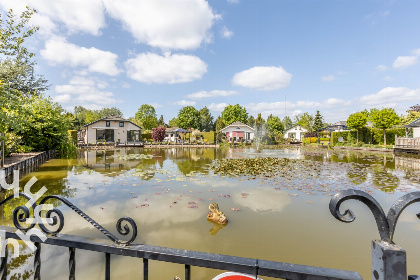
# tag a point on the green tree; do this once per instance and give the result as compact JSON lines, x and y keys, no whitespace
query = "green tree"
{"x":251,"y":121}
{"x":306,"y":121}
{"x":161,"y":122}
{"x":206,"y":120}
{"x":146,"y":116}
{"x":234,"y":113}
{"x":357,"y":121}
{"x":188,"y":117}
{"x":274,"y":127}
{"x":173,"y":122}
{"x":385,"y":118}
{"x":16,"y":64}
{"x":287,"y":122}
{"x":410,"y":117}
{"x":107,"y":112}
{"x":220,"y":124}
{"x":318,"y":122}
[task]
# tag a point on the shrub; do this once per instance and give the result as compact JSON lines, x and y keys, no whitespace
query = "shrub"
{"x":158,"y":134}
{"x":73,"y":135}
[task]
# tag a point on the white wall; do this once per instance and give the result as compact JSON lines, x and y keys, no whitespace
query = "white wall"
{"x":119,"y":132}
{"x":299,"y":132}
{"x":416,"y":132}
{"x":244,"y":129}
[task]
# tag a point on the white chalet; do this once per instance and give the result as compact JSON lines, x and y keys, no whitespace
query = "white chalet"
{"x":238,"y":132}
{"x":415,"y":125}
{"x":111,"y":129}
{"x":295,"y":132}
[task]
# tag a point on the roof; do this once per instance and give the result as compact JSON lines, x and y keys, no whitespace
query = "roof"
{"x":237,"y":124}
{"x":303,"y":129}
{"x":112,"y":118}
{"x":415,"y":123}
{"x":339,"y":123}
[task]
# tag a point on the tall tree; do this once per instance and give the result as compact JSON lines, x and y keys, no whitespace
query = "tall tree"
{"x":161,"y":122}
{"x":16,"y":61}
{"x":146,"y":116}
{"x":318,"y":122}
{"x":206,"y":120}
{"x":384,"y":119}
{"x":259,"y":122}
{"x":188,"y":117}
{"x":251,"y":121}
{"x":357,"y":121}
{"x":287,"y":122}
{"x":220,"y":124}
{"x":415,"y":108}
{"x":234,"y":113}
{"x":306,"y":121}
{"x":274,"y":127}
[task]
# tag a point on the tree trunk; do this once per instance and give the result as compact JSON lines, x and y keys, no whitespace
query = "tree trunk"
{"x":384,"y":138}
{"x":357,"y":136}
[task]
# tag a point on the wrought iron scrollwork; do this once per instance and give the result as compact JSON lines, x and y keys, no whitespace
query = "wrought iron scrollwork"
{"x":55,"y":218}
{"x":386,"y":224}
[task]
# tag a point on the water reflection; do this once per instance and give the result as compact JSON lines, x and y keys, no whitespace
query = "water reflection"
{"x":167,"y":192}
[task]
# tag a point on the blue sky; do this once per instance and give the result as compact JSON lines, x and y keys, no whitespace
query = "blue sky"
{"x":271,"y":56}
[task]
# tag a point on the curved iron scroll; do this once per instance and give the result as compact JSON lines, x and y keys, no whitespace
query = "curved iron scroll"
{"x":55,"y":217}
{"x":386,"y":224}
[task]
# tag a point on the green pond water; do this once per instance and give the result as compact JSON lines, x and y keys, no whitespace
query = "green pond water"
{"x":277,"y":212}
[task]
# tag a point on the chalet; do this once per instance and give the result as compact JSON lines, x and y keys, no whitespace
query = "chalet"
{"x":111,"y":129}
{"x":295,"y":132}
{"x":337,"y":127}
{"x":238,"y":132}
{"x":415,"y":125}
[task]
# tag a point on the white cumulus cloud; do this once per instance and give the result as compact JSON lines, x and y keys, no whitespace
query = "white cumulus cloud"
{"x":185,"y":103}
{"x":208,"y":94}
{"x":391,"y":95}
{"x":87,"y":92}
{"x":404,"y":61}
{"x":218,"y":107}
{"x":167,"y":69}
{"x":226,"y":33}
{"x":165,"y":24}
{"x":58,"y":51}
{"x":75,"y":15}
{"x":381,"y":67}
{"x":263,"y":78}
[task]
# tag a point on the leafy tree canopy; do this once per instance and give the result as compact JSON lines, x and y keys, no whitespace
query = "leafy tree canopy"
{"x":357,"y":121}
{"x":146,"y":116}
{"x":305,"y":120}
{"x":173,"y":122}
{"x":385,"y":118}
{"x":274,"y":125}
{"x":188,"y":117}
{"x":287,"y":122}
{"x":206,"y":120}
{"x":234,"y":113}
{"x":16,"y":64}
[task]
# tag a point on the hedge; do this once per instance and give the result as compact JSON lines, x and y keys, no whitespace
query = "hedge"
{"x":368,"y":135}
{"x":146,"y":136}
{"x":209,"y":137}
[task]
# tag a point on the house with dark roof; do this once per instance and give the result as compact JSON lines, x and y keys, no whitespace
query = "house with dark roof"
{"x":415,"y":125}
{"x":238,"y":132}
{"x":337,"y":127}
{"x":111,"y":129}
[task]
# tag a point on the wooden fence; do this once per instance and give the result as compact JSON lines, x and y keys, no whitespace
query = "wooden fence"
{"x":29,"y":164}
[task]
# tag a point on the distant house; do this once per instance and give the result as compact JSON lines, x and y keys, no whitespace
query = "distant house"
{"x":111,"y":129}
{"x":173,"y":134}
{"x":415,"y":125}
{"x":337,"y":127}
{"x":238,"y":132}
{"x":295,"y":132}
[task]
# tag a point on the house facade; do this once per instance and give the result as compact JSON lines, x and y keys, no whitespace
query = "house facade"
{"x":337,"y":127}
{"x":111,"y":129}
{"x":238,"y":132}
{"x":415,"y":125}
{"x":295,"y":132}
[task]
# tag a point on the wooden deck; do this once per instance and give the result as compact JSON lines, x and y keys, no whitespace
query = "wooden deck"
{"x":407,"y":145}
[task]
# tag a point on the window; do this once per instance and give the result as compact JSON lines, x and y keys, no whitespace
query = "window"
{"x":121,"y":124}
{"x":108,"y":123}
{"x":105,"y":135}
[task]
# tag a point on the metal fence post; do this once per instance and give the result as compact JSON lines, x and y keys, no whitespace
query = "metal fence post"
{"x":389,"y":261}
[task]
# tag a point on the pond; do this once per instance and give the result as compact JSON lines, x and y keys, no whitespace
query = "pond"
{"x":277,"y":206}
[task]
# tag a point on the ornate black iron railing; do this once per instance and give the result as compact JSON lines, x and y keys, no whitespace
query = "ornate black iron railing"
{"x":115,"y":246}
